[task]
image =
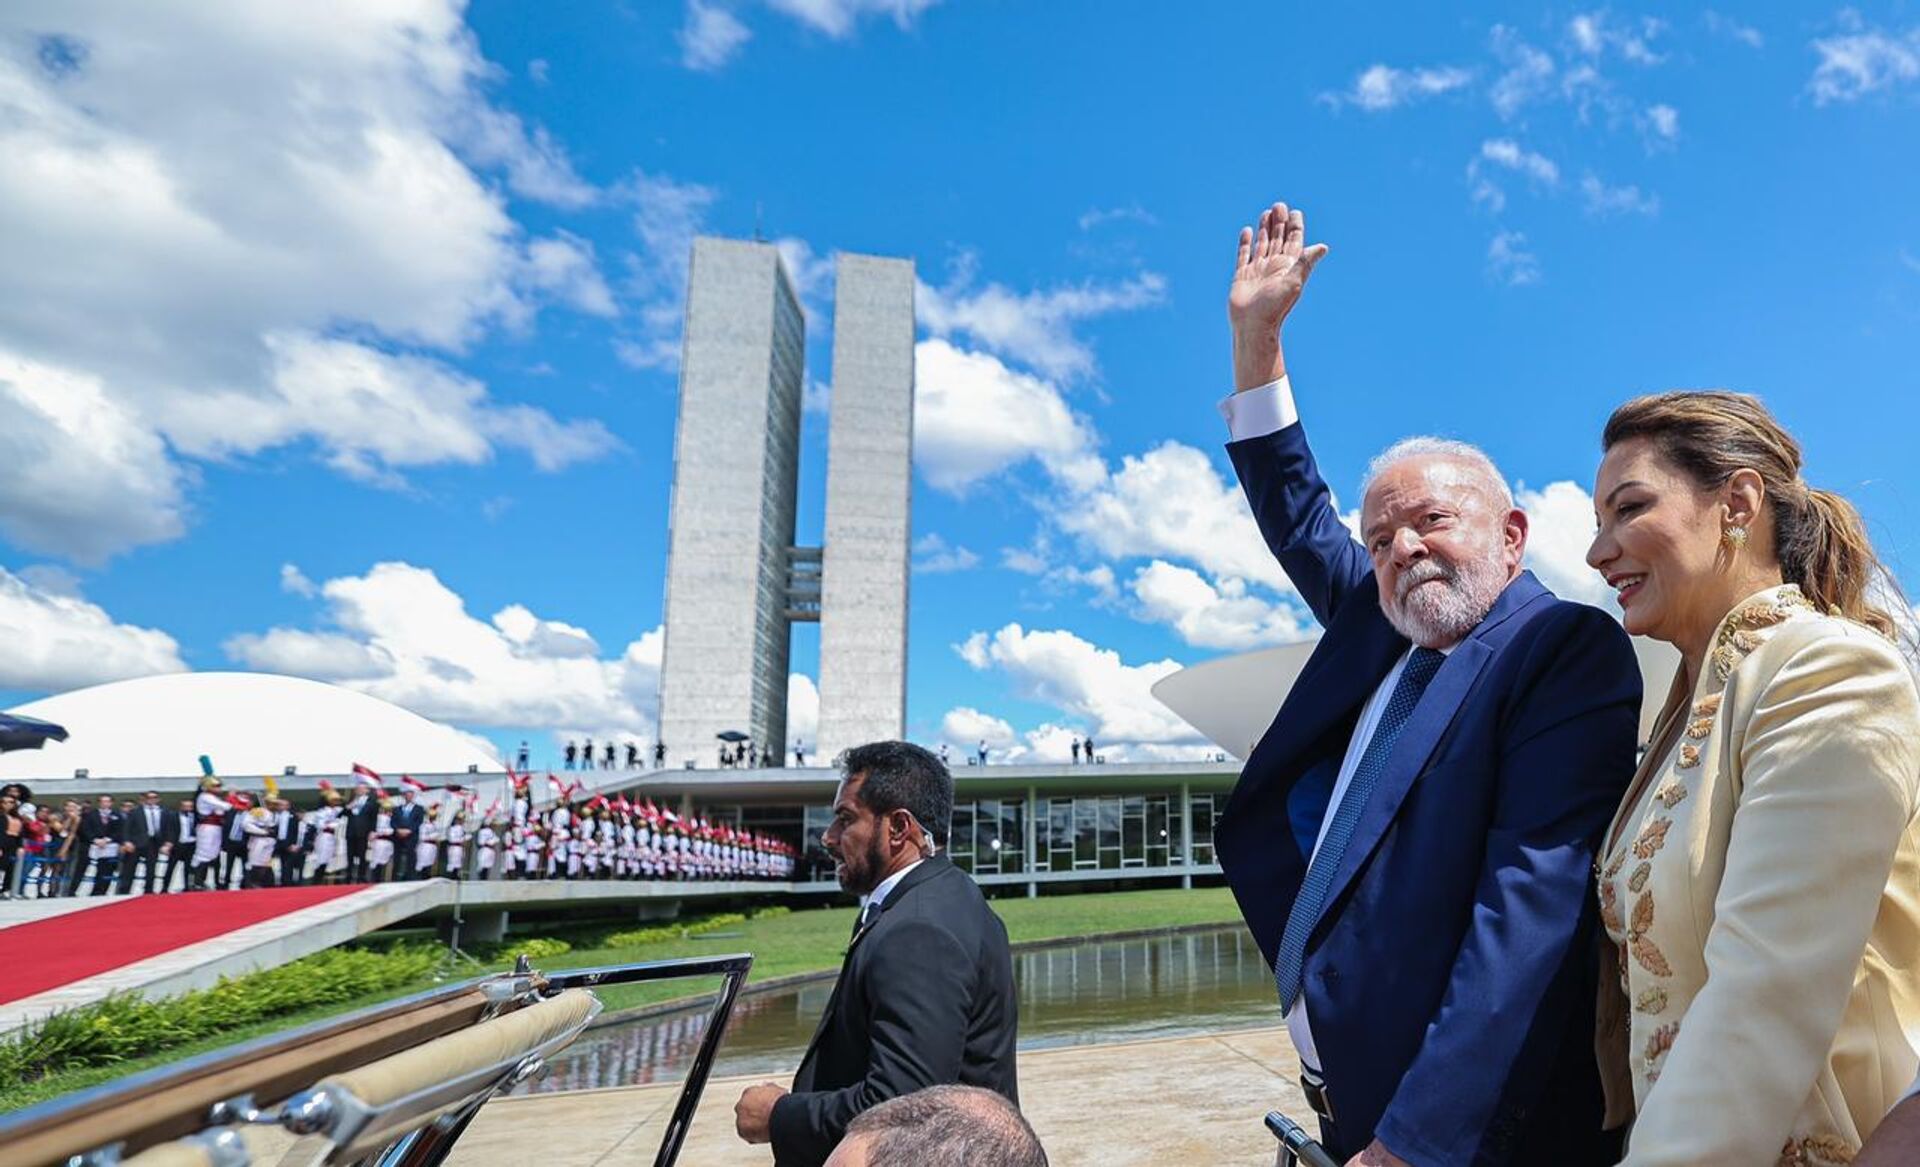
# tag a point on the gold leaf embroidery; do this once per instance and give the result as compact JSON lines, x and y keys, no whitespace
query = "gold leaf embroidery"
{"x":1707,"y":706}
{"x":1671,"y":794}
{"x":1689,"y":756}
{"x":1699,"y":727}
{"x":1653,"y":836}
{"x":1652,"y":1001}
{"x":1638,"y":880}
{"x":1817,"y":1151}
{"x":1610,"y":908}
{"x":1613,"y":868}
{"x":1661,"y":1040}
{"x":1644,"y":950}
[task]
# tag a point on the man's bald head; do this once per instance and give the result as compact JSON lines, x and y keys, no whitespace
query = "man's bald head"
{"x":941,"y":1126}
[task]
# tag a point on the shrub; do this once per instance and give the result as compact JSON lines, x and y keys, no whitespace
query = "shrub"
{"x":122,"y":1027}
{"x":534,"y":948}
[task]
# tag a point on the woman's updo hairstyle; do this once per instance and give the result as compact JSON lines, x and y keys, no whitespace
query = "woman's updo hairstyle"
{"x":1709,"y":434}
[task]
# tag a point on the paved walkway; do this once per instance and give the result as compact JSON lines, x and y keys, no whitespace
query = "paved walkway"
{"x":1178,"y":1100}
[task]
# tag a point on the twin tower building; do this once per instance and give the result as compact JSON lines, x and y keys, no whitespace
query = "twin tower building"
{"x":736,"y":580}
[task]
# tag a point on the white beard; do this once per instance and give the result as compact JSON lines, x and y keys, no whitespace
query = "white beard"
{"x":1437,"y":616}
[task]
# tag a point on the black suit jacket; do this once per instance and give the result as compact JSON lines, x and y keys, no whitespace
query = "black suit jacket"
{"x":135,"y":829}
{"x":291,"y":838}
{"x":92,"y":828}
{"x":925,"y":997}
{"x":408,"y":818}
{"x":360,"y":823}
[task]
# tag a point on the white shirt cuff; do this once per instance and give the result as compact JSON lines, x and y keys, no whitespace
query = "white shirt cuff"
{"x":1256,"y":413}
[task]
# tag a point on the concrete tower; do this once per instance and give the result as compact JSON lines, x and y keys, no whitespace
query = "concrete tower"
{"x":735,"y":457}
{"x":863,"y":605}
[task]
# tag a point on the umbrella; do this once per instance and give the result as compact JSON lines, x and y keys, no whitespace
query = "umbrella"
{"x":732,"y":735}
{"x":27,"y":733}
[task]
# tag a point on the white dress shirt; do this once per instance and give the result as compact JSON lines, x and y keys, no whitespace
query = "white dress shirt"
{"x":878,"y":896}
{"x":1256,"y":413}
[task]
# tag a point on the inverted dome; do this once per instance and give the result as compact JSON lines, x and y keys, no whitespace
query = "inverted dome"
{"x":248,"y":723}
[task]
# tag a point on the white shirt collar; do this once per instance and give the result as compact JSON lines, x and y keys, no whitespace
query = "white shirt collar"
{"x":878,"y":895}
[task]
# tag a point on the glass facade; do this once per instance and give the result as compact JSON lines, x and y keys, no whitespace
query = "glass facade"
{"x":1078,"y":832}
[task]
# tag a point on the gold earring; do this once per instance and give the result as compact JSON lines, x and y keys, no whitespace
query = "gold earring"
{"x":1736,"y":537}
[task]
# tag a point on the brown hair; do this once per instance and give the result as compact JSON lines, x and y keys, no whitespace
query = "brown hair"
{"x":1819,"y":537}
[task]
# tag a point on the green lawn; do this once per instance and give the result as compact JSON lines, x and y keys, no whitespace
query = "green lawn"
{"x":799,"y":942}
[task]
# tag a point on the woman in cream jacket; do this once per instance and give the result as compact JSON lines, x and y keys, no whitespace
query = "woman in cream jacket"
{"x":1761,"y":882}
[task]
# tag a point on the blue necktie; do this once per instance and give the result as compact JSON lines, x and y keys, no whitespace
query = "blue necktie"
{"x":1313,"y":890}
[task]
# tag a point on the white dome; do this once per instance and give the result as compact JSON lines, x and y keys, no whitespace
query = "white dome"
{"x":248,"y":723}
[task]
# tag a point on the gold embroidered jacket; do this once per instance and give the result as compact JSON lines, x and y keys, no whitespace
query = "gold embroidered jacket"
{"x":1761,"y":888}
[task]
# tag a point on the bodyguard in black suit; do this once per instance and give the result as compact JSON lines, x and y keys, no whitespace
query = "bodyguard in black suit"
{"x":925,"y":996}
{"x":289,"y":842}
{"x":101,"y":822}
{"x":362,"y":813}
{"x":144,"y":831}
{"x":177,"y":829}
{"x":407,"y":820}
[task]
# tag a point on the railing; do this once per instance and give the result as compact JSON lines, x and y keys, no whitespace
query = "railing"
{"x":395,"y":1084}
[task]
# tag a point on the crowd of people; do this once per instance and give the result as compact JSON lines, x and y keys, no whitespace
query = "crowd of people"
{"x":221,"y":839}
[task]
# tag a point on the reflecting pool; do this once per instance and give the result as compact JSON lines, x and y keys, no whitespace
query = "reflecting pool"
{"x":1071,"y":994}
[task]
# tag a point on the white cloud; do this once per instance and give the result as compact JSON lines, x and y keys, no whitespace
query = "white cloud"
{"x":1208,"y":616}
{"x":1170,"y":502}
{"x":1594,"y":33}
{"x":711,"y":36}
{"x":295,"y":582}
{"x":1091,"y":685}
{"x":1526,"y":72}
{"x":837,"y":18}
{"x":965,"y":728}
{"x":1508,"y":153}
{"x":1101,"y":216}
{"x":1559,"y":531}
{"x":803,"y":710}
{"x":1862,"y":59}
{"x":564,"y":269}
{"x":82,"y":474}
{"x":399,"y":633}
{"x":1383,"y":87}
{"x":1604,"y":200}
{"x":973,"y":418}
{"x":194,"y":179}
{"x":373,"y":413}
{"x":1660,"y":125}
{"x":668,"y":214}
{"x":56,"y":640}
{"x":1035,"y":328}
{"x":540,"y":70}
{"x":937,"y":556}
{"x":1509,"y":261}
{"x":1733,"y":29}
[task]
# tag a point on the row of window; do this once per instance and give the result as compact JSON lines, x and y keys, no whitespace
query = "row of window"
{"x":1107,"y":832}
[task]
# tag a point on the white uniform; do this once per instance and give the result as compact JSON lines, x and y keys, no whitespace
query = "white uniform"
{"x":456,"y":848}
{"x":211,"y":811}
{"x":260,"y":840}
{"x":427,"y":851}
{"x":380,"y":842}
{"x":488,"y":841}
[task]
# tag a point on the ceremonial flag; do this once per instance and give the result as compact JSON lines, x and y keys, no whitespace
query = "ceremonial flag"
{"x":370,"y":777}
{"x":558,"y":787}
{"x":413,"y":784}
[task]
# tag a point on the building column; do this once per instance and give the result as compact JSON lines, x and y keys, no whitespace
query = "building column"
{"x":481,"y":927}
{"x":1186,"y":833}
{"x":1033,"y":865}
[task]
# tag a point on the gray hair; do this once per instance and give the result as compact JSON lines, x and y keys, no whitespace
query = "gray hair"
{"x":949,"y":1126}
{"x":1427,"y":446}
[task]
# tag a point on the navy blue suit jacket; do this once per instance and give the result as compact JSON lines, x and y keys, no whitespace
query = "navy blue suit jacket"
{"x":1449,"y":981}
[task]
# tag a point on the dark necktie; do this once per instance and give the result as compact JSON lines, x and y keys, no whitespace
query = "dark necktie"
{"x":868,"y":912}
{"x":1307,"y":906}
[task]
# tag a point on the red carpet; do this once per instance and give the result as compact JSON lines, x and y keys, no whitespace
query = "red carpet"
{"x":70,"y":947}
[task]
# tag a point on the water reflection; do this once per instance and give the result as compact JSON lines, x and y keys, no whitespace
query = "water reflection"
{"x":1110,"y":990}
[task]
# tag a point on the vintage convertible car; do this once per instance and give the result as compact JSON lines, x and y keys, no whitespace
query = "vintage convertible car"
{"x":393,"y":1084}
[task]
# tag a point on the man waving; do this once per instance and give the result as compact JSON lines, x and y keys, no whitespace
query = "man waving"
{"x":1410,"y":841}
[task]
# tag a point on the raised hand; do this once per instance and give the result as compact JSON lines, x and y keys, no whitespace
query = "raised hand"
{"x":1271,"y":271}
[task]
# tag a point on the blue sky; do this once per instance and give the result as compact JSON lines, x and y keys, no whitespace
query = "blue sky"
{"x":347,"y":346}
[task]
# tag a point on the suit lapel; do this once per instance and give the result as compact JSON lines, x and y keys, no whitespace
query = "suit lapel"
{"x":1438,"y":706}
{"x":927,"y":870}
